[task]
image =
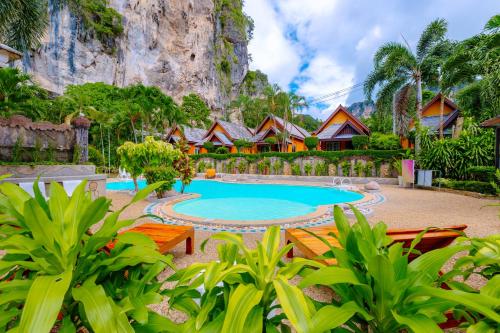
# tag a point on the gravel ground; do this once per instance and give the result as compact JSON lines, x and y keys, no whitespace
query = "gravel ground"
{"x":404,"y":208}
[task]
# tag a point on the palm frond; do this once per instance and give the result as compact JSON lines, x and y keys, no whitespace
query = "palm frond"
{"x":433,"y":34}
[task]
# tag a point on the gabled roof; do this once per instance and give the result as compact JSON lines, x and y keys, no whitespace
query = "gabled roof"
{"x":235,"y":131}
{"x":334,"y":131}
{"x":191,"y":134}
{"x":11,"y":53}
{"x":259,"y":137}
{"x":291,"y":128}
{"x":354,"y":120}
{"x":432,"y":122}
{"x":223,"y":139}
{"x":437,"y":98}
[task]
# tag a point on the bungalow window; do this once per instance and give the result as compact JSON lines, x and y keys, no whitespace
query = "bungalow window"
{"x":294,"y":148}
{"x":196,"y":150}
{"x":333,"y":146}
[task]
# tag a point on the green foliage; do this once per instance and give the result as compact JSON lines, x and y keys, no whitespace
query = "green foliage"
{"x":307,"y":122}
{"x":271,"y":140}
{"x":237,"y":292}
{"x":222,"y":150}
{"x":454,"y":156}
{"x":37,"y":151}
{"x":277,"y":166}
{"x":164,"y":174}
{"x":77,"y":154}
{"x":358,"y":168}
{"x":231,"y":165}
{"x":321,"y":169}
{"x":295,"y":168}
{"x":195,"y":110}
{"x":308,"y":168}
{"x":311,"y":142}
{"x":17,"y":150}
{"x":95,"y":156}
{"x":386,"y":290}
{"x":55,"y":271}
{"x":467,"y":185}
{"x":184,"y":165}
{"x":361,"y":142}
{"x":368,"y":169}
{"x":263,"y":166}
{"x":379,"y":141}
{"x":209,"y":146}
{"x":136,"y":157}
{"x":51,"y":152}
{"x":397,"y":165}
{"x":242,"y":143}
{"x":201,"y":166}
{"x":242,"y":166}
{"x":481,"y":173}
{"x":345,"y":166}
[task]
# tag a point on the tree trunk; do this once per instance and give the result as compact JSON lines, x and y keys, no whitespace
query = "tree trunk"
{"x":136,"y":185}
{"x":441,"y":117}
{"x":394,"y":114}
{"x":102,"y":145}
{"x":133,"y":130}
{"x":418,"y":81}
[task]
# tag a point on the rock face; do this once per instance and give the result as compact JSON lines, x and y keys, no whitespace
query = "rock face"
{"x":362,"y":109}
{"x":172,"y":44}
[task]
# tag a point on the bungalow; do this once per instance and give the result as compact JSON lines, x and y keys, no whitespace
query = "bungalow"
{"x":337,"y":131}
{"x":223,"y":134}
{"x":8,"y":55}
{"x":191,"y":134}
{"x":431,"y":118}
{"x":272,"y":127}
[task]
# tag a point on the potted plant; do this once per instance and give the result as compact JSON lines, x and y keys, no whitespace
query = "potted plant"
{"x":397,"y":164}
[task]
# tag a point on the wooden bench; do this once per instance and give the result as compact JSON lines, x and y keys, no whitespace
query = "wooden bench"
{"x":167,"y":236}
{"x":312,"y":247}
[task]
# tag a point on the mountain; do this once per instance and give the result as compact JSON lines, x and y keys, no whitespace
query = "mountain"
{"x":362,"y":109}
{"x":181,"y":46}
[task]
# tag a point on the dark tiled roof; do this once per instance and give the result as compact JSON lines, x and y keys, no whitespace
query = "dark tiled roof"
{"x":329,"y":132}
{"x":236,"y":131}
{"x":193,"y":134}
{"x":433,"y":122}
{"x":293,"y":129}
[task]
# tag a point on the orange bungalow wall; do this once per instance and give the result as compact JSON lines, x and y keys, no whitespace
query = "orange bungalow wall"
{"x":299,"y":144}
{"x":192,"y":147}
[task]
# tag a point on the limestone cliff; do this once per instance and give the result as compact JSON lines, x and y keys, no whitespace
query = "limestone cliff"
{"x":181,"y":46}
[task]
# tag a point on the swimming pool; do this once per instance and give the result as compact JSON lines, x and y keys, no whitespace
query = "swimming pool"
{"x":248,"y":202}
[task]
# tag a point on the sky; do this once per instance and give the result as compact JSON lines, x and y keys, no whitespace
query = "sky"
{"x":317,"y":47}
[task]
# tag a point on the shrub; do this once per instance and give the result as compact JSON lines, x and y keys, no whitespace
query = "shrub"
{"x":17,"y":150}
{"x":209,"y":146}
{"x":346,"y":168}
{"x":242,"y":166}
{"x":222,"y":150}
{"x":277,"y":166}
{"x":311,"y":142}
{"x":358,"y":168}
{"x":95,"y":156}
{"x":201,"y":166}
{"x":184,"y":165}
{"x":381,"y":141}
{"x":467,"y":185}
{"x":295,"y":168}
{"x":263,"y":166}
{"x":360,"y":141}
{"x":368,"y":169}
{"x":308,"y":169}
{"x":397,"y":164}
{"x":231,"y":165}
{"x":481,"y":173}
{"x":37,"y":151}
{"x":51,"y":152}
{"x":56,"y":270}
{"x":242,"y":143}
{"x":271,"y":140}
{"x":165,"y":174}
{"x":77,"y":154}
{"x":321,"y":169}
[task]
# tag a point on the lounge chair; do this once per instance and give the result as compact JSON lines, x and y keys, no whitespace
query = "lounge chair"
{"x":312,"y":247}
{"x":166,"y":236}
{"x":28,"y":187}
{"x":70,"y":186}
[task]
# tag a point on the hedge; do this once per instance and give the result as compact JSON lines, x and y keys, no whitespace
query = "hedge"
{"x":481,"y":173}
{"x":330,"y":156}
{"x":360,"y":141}
{"x":467,"y":185}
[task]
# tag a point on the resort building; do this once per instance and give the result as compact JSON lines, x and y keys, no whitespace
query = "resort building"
{"x":8,"y":55}
{"x":431,"y":118}
{"x":268,"y":135}
{"x":223,"y":134}
{"x":337,"y":131}
{"x":192,"y":135}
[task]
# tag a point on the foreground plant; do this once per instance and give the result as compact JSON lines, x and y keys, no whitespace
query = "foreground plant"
{"x":397,"y":294}
{"x":55,"y":272}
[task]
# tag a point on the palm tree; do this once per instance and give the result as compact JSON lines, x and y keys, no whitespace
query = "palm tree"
{"x":397,"y":65}
{"x":16,"y":88}
{"x":23,"y":23}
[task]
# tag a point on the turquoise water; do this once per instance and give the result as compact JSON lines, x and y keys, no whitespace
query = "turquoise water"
{"x":232,"y":201}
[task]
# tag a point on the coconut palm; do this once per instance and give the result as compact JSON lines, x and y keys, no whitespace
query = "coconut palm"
{"x":23,"y":23}
{"x":397,"y":65}
{"x":16,"y":89}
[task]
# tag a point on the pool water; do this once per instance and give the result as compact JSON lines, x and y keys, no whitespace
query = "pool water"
{"x":233,"y":201}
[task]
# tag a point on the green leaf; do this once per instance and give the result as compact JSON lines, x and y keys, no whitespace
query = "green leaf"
{"x":67,"y":325}
{"x":418,"y":323}
{"x":329,"y":276}
{"x":330,"y":317}
{"x":44,"y":302}
{"x":255,"y":320}
{"x":241,"y":302}
{"x":294,"y":304}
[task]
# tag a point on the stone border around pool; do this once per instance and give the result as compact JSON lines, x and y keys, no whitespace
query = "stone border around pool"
{"x":323,"y":215}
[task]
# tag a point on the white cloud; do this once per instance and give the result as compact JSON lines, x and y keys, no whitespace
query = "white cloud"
{"x":271,"y":51}
{"x":322,"y":77}
{"x":370,"y":40}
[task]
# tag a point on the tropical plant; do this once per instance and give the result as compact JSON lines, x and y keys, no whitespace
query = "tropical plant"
{"x":209,"y":146}
{"x":396,"y":66}
{"x":242,"y":166}
{"x":295,"y":168}
{"x":57,"y":273}
{"x":345,"y":166}
{"x":321,"y":169}
{"x":394,"y":293}
{"x":195,"y":110}
{"x":164,"y":174}
{"x":277,"y":166}
{"x":201,"y":166}
{"x":222,"y":150}
{"x":237,"y":293}
{"x":17,"y":150}
{"x":231,"y":165}
{"x":360,"y":141}
{"x":368,"y":169}
{"x":95,"y":156}
{"x":311,"y":142}
{"x":358,"y":168}
{"x":16,"y":89}
{"x":308,"y":168}
{"x":381,"y":141}
{"x":135,"y":157}
{"x":242,"y":144}
{"x":264,"y":165}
